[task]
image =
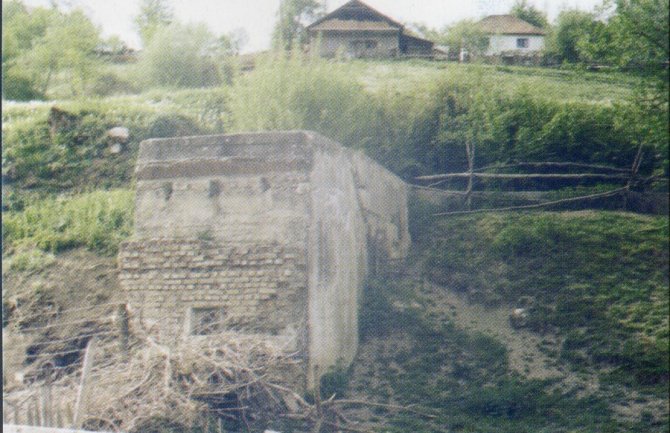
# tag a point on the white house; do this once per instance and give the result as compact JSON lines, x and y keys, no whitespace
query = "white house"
{"x":509,"y":35}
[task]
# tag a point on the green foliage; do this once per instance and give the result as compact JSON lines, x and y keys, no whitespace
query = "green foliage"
{"x":75,"y":156}
{"x":529,"y":13}
{"x":585,"y":272}
{"x":181,"y":55}
{"x":644,"y":29}
{"x":293,"y":16}
{"x":108,"y":84}
{"x":29,"y":259}
{"x":173,"y":125}
{"x":291,"y":92}
{"x":44,"y":42}
{"x":153,"y":15}
{"x":97,"y":220}
{"x":19,"y":87}
{"x":465,"y":35}
{"x":573,"y":27}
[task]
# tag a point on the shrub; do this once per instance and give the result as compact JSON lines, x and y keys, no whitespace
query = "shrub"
{"x":172,"y":125}
{"x":110,"y":84}
{"x":180,"y":56}
{"x":17,"y":87}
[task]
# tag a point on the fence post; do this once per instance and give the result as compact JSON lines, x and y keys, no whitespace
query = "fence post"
{"x":80,"y":405}
{"x":124,"y":332}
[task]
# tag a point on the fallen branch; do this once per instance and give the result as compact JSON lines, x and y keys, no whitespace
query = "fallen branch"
{"x":384,"y":405}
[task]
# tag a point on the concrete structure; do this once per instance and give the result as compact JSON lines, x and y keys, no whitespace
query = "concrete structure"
{"x":267,"y":233}
{"x":356,"y":30}
{"x":511,"y":36}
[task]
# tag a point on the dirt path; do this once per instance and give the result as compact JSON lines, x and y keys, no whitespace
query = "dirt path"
{"x":523,"y":346}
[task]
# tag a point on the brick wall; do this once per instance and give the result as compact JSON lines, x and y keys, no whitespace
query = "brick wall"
{"x":261,"y":288}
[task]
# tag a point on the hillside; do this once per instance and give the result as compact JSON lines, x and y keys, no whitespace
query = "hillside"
{"x":591,"y":353}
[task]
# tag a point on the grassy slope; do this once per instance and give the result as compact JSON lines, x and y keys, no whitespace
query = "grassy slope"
{"x":598,"y":281}
{"x":406,"y":348}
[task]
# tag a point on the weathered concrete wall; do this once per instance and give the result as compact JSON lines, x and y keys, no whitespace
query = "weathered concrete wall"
{"x":337,"y":256}
{"x":274,"y":230}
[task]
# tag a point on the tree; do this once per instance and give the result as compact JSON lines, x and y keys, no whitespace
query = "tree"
{"x":465,"y":35}
{"x":529,"y":13}
{"x":643,"y":26}
{"x":567,"y":39}
{"x":294,"y":15}
{"x":153,"y":15}
{"x":183,"y":55}
{"x":40,"y":43}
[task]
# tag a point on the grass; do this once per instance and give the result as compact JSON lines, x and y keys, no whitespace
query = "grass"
{"x":564,"y":85}
{"x":98,"y":220}
{"x":597,"y":278}
{"x":462,"y":379}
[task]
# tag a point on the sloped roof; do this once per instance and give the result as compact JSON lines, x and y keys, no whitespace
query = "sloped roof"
{"x":508,"y":25}
{"x":355,"y":15}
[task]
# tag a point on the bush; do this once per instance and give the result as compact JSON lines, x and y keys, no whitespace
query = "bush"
{"x":292,"y":92}
{"x":172,"y":125}
{"x":110,"y":84}
{"x":178,"y":56}
{"x":17,"y":87}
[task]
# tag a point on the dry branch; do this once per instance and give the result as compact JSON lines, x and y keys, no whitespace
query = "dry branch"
{"x":538,"y":205}
{"x":434,"y":177}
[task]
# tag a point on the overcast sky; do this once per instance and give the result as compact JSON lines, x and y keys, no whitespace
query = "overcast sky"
{"x":257,"y":17}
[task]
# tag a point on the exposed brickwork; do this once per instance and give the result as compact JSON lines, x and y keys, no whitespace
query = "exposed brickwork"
{"x":261,"y":288}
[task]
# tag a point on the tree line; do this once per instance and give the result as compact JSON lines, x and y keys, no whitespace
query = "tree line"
{"x":628,"y":34}
{"x":44,"y":46}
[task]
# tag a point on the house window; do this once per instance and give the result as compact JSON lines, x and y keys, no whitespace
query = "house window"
{"x":522,"y":43}
{"x":206,"y":321}
{"x":366,"y":44}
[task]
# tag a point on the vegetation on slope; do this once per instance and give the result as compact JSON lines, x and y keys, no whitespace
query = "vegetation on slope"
{"x":599,"y":279}
{"x":598,"y":283}
{"x":98,"y":220}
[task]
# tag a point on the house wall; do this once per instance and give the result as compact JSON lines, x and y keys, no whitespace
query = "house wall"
{"x":334,"y":43}
{"x":504,"y":43}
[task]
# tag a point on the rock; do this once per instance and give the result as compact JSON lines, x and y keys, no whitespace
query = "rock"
{"x":115,"y":148}
{"x":118,"y":134}
{"x":518,"y":318}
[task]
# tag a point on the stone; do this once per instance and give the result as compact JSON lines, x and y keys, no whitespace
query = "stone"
{"x":118,"y":134}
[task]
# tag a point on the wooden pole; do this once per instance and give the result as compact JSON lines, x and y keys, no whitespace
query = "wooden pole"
{"x":524,"y":176}
{"x":81,"y":395}
{"x":124,"y":332}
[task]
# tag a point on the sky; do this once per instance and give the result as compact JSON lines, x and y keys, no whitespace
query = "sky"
{"x":257,"y":17}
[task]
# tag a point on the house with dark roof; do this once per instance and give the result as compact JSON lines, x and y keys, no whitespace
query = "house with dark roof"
{"x":356,"y":30}
{"x":509,"y":35}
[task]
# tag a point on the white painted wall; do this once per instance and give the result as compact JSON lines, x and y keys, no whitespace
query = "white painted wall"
{"x":505,"y":43}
